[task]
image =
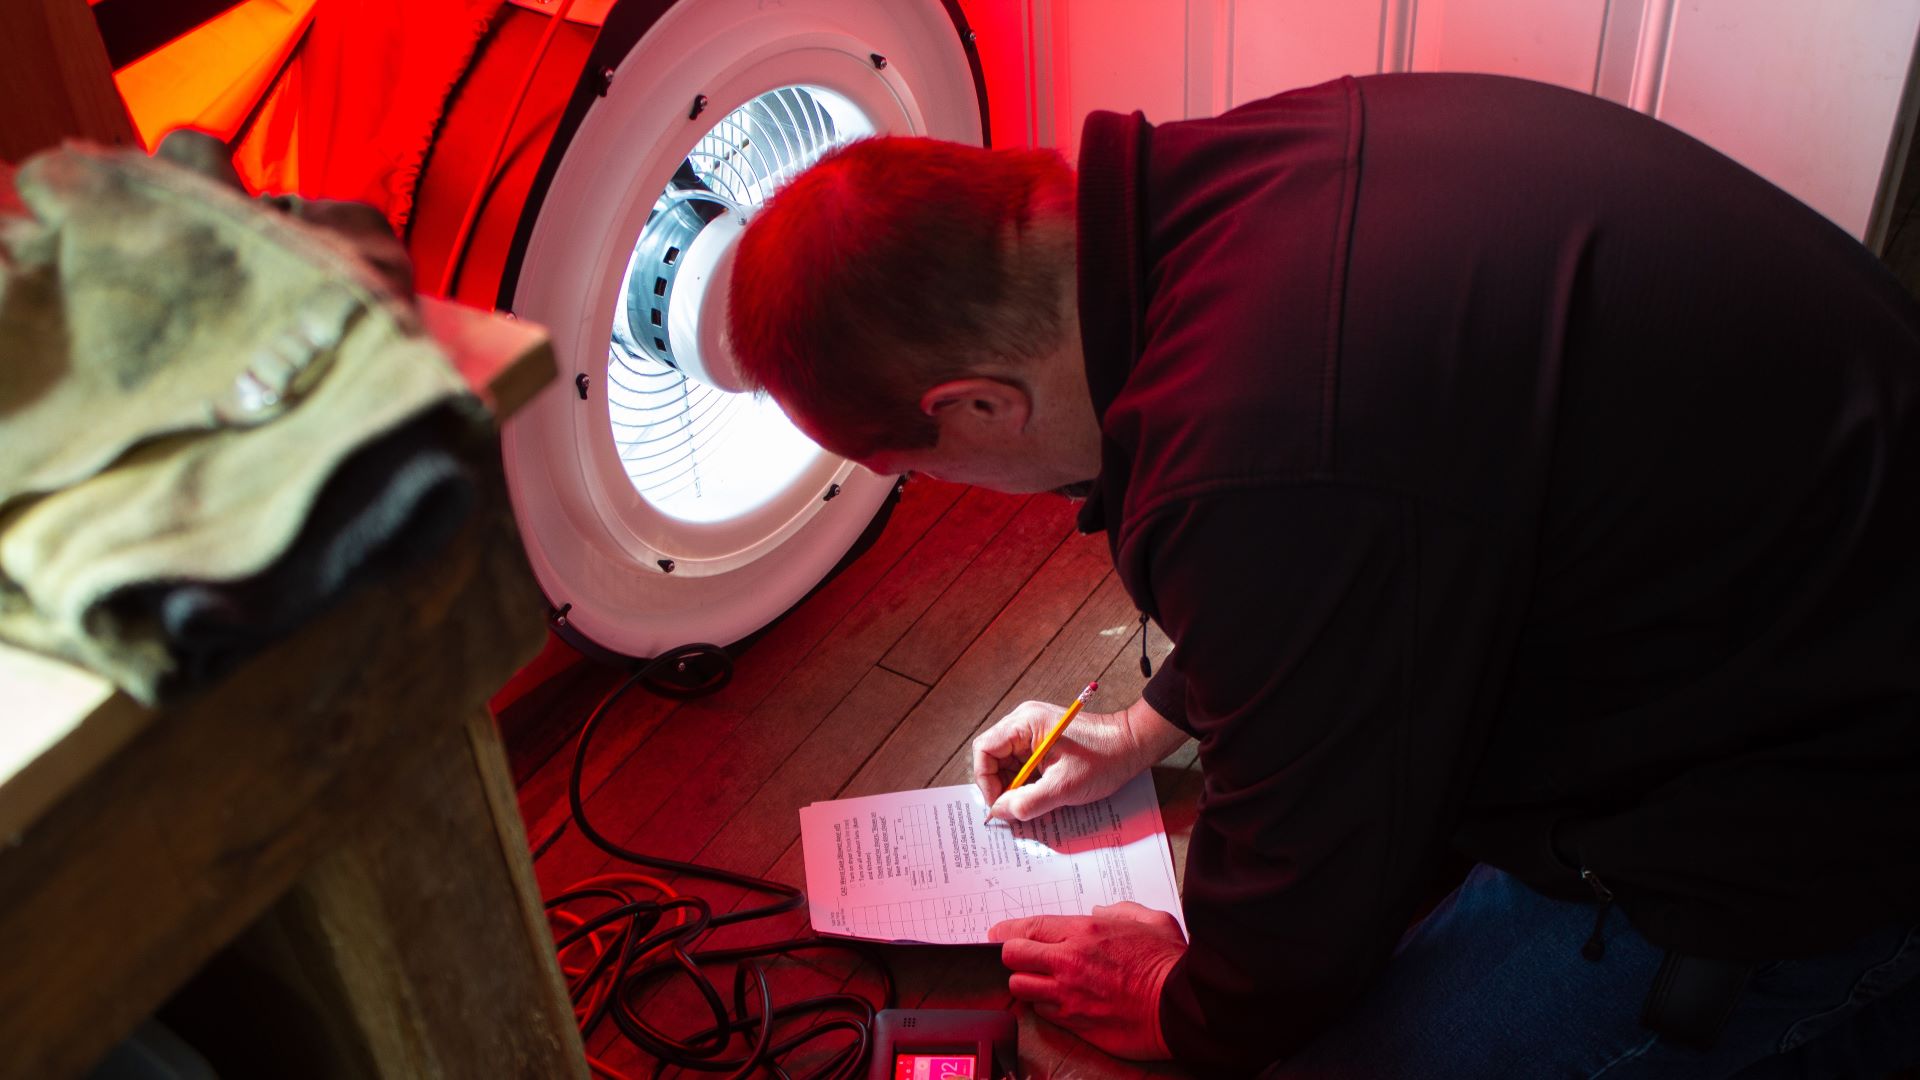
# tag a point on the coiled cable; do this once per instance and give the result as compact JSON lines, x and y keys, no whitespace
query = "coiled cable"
{"x":631,"y":950}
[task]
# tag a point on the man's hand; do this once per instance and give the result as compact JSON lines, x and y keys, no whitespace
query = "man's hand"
{"x":1098,"y":976}
{"x":1096,"y":755}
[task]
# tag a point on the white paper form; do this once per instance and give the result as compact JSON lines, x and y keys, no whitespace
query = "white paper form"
{"x":920,"y":866}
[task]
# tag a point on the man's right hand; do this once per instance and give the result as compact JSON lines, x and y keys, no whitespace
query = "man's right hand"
{"x":1095,"y":755}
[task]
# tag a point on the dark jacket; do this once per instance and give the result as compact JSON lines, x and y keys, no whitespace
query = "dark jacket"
{"x":1514,"y":473}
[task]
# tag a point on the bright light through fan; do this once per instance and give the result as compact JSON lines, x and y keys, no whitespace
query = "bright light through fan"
{"x":694,"y":451}
{"x":674,"y":511}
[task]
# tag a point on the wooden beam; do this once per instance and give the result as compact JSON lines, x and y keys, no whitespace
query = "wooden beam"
{"x":340,"y":750}
{"x":427,"y":921}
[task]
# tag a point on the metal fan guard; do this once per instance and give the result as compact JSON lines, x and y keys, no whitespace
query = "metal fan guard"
{"x":739,"y":162}
{"x":663,"y":418}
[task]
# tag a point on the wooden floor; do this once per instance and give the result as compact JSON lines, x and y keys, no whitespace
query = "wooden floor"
{"x":968,"y":603}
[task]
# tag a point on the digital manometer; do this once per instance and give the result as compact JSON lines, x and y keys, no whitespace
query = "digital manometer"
{"x":943,"y":1044}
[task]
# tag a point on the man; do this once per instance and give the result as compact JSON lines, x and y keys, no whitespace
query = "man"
{"x":1516,"y":476}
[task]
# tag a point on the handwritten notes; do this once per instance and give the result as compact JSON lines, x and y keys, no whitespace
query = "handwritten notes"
{"x":920,"y":866}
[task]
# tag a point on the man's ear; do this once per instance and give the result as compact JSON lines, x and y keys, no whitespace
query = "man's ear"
{"x":979,"y":407}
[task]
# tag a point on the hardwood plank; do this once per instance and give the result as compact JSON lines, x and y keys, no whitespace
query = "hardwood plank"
{"x":1123,"y":677}
{"x":759,"y":667}
{"x":771,"y":732}
{"x":924,"y":504}
{"x":1100,"y":638}
{"x":675,"y":754}
{"x":948,"y":715}
{"x":633,"y":720}
{"x":540,"y":723}
{"x":754,"y":838}
{"x":872,"y":626}
{"x":992,"y":579}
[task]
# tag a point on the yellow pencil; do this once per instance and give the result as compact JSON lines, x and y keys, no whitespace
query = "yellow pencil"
{"x":1046,"y":743}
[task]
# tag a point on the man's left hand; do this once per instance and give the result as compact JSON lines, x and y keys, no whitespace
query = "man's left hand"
{"x":1098,"y":976}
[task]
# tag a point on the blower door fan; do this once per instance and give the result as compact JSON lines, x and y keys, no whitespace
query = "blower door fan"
{"x":694,"y":447}
{"x":660,"y":506}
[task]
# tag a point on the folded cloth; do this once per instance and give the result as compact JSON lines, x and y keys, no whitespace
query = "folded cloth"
{"x":394,"y":502}
{"x":183,"y":373}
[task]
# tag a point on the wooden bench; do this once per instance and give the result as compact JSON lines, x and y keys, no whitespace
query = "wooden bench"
{"x":339,"y":810}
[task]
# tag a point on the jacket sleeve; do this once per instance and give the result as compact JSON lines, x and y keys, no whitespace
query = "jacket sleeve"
{"x":1329,"y":779}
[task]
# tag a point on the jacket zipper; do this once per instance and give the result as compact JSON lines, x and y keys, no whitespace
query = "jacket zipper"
{"x":1595,"y":948}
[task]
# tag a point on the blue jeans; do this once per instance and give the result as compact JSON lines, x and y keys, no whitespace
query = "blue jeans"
{"x":1492,"y":984}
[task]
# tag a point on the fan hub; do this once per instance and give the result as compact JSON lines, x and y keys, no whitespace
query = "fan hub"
{"x":697,"y":310}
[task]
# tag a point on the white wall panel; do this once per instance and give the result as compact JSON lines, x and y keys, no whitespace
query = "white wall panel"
{"x":1115,"y":54}
{"x":1556,"y":41}
{"x":1812,"y":95}
{"x":1805,"y":94}
{"x":1282,"y":44}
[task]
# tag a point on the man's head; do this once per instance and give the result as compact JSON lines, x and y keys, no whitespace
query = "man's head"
{"x":910,"y":304}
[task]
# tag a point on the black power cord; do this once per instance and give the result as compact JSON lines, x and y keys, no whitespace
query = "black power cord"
{"x":622,"y":969}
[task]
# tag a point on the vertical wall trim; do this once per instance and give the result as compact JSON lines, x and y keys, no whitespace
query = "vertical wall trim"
{"x":1409,"y":30}
{"x":1040,"y":72}
{"x":1619,"y":49}
{"x":1600,"y":48}
{"x":1195,"y":67}
{"x":1226,"y":83}
{"x":1650,"y":58}
{"x":1397,"y":18}
{"x":1209,"y":58}
{"x":1026,"y":69}
{"x":1380,"y":54}
{"x":1893,"y":170}
{"x":1208,"y":87}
